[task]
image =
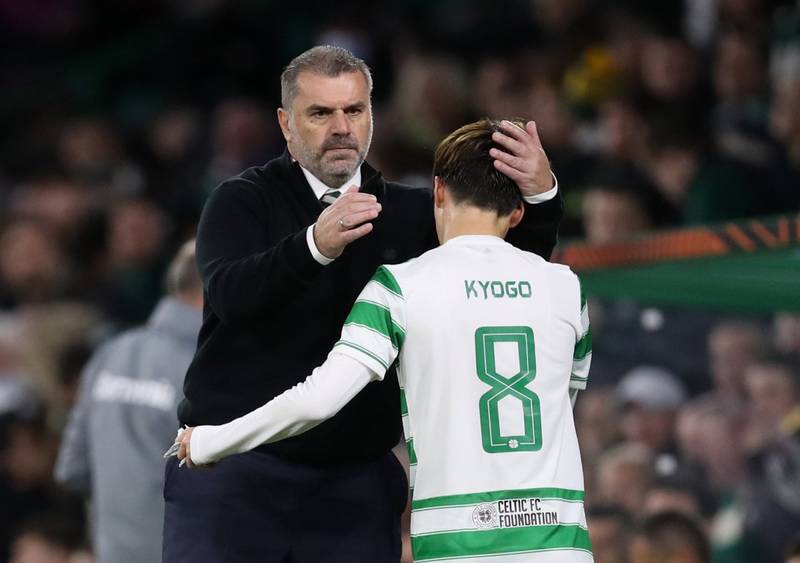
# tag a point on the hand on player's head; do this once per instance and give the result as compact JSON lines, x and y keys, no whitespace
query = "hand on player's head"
{"x":523,"y":159}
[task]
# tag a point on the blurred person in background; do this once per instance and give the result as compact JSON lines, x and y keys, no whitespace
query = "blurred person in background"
{"x":732,"y":346}
{"x":125,"y":418}
{"x":773,"y":442}
{"x":670,"y":76}
{"x":92,"y":152}
{"x":739,"y":120}
{"x":614,"y":209}
{"x":669,"y":537}
{"x":609,"y":530}
{"x":56,"y":537}
{"x":27,"y":453}
{"x":136,"y":230}
{"x":697,"y":183}
{"x":650,"y":397}
{"x":773,"y":394}
{"x":786,"y":333}
{"x":240,"y":137}
{"x":711,"y":435}
{"x":33,"y":266}
{"x":597,"y":421}
{"x":672,"y":492}
{"x":624,"y":475}
{"x":176,"y":164}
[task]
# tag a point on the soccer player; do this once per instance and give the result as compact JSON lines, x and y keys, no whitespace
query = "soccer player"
{"x":492,"y":344}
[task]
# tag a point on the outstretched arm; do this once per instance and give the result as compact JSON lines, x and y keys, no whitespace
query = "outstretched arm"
{"x":323,"y":394}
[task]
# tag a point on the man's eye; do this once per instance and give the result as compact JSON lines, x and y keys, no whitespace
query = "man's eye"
{"x":319,"y":113}
{"x":355,"y":111}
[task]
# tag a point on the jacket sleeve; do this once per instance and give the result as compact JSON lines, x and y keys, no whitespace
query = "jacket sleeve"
{"x":245,"y":273}
{"x":73,"y":468}
{"x":538,"y":230}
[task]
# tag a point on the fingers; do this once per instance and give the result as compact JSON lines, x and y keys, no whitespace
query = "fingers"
{"x":532,"y":130}
{"x":356,"y":233}
{"x":355,"y":219}
{"x":509,"y":171}
{"x":509,"y":159}
{"x":509,"y":143}
{"x":344,"y":221}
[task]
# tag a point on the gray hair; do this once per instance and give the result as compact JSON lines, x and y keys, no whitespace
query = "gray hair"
{"x":326,"y":60}
{"x":182,"y":275}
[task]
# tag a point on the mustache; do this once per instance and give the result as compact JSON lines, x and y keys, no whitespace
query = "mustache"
{"x":339,"y":143}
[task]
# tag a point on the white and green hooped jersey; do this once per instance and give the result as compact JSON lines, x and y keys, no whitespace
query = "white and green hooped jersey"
{"x":489,"y":341}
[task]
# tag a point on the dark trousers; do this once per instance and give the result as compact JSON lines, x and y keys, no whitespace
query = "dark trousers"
{"x":255,"y":507}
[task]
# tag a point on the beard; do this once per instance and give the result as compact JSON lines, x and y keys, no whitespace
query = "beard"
{"x":336,"y":160}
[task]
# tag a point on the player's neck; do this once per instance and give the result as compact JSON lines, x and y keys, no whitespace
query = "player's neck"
{"x":468,"y":220}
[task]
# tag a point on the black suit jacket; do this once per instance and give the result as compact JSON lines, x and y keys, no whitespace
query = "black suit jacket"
{"x":272,"y":313}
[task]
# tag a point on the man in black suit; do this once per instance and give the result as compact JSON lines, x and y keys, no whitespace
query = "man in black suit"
{"x":284,"y":249}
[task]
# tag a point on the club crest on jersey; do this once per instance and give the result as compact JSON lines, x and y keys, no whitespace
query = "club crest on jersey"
{"x":485,"y":515}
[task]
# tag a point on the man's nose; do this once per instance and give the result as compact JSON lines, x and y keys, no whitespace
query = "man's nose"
{"x":339,"y":124}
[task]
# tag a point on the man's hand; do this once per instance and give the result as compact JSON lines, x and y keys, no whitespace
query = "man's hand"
{"x":185,"y":451}
{"x":523,"y":159}
{"x":345,"y":220}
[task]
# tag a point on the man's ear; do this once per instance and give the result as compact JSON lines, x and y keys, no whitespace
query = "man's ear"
{"x":283,"y":121}
{"x":438,"y":192}
{"x":516,"y":216}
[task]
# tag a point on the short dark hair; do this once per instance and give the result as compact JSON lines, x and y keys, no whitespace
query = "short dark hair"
{"x":668,"y":530}
{"x":326,"y":60}
{"x":463,"y":163}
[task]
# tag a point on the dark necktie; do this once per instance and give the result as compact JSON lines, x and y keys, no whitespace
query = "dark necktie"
{"x":329,"y":197}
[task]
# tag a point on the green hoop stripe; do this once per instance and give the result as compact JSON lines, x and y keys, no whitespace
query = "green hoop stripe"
{"x":377,"y":318}
{"x":403,"y":403}
{"x":384,"y":277}
{"x":584,"y":346}
{"x":499,"y":541}
{"x":491,"y":496}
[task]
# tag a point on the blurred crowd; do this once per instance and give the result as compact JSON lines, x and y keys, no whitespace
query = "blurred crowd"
{"x":119,"y":118}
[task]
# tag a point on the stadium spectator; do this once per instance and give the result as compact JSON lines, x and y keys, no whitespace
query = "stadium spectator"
{"x":613,"y":212}
{"x":125,"y":418}
{"x":609,"y":529}
{"x":786,"y":333}
{"x":53,"y":538}
{"x":669,"y":537}
{"x":624,"y":475}
{"x":650,"y":397}
{"x":33,"y":266}
{"x":732,"y":347}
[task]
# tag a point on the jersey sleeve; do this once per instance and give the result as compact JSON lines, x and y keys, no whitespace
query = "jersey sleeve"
{"x":375,"y":329}
{"x":582,"y":357}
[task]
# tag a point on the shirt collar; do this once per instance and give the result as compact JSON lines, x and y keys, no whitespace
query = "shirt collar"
{"x":319,"y":188}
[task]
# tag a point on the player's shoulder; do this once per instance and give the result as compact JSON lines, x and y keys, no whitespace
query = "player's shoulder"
{"x":406,"y":275}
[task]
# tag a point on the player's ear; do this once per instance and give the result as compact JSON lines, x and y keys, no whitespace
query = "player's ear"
{"x":516,"y":216}
{"x":438,"y":192}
